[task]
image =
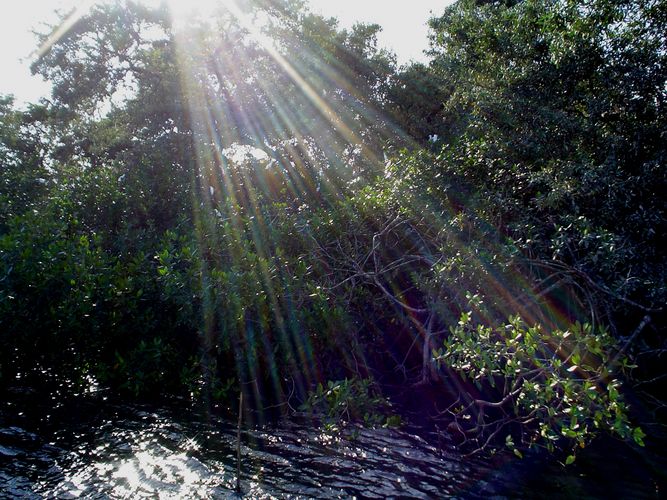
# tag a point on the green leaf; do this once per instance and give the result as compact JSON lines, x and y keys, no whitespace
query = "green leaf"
{"x":570,"y":460}
{"x":638,"y":435}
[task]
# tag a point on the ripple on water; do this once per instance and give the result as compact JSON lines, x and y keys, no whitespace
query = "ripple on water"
{"x":123,"y":452}
{"x":111,"y":451}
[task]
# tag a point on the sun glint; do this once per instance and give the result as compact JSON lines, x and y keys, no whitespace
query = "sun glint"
{"x":180,"y":9}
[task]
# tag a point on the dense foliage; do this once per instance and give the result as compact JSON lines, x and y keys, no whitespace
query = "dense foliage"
{"x":198,"y":211}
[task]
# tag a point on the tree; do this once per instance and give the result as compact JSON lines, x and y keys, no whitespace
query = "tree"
{"x":555,"y":112}
{"x":22,"y":159}
{"x":228,"y":211}
{"x":171,"y":240}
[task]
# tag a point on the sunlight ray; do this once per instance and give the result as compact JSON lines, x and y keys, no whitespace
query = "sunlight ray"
{"x":78,"y":13}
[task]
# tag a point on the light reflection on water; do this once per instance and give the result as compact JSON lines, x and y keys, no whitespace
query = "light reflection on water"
{"x":124,"y":452}
{"x":154,"y":459}
{"x":94,"y":449}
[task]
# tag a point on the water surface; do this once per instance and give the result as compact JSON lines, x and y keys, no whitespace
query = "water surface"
{"x":91,"y":448}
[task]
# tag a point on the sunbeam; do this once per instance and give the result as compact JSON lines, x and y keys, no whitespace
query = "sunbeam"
{"x":241,"y":200}
{"x":81,"y":10}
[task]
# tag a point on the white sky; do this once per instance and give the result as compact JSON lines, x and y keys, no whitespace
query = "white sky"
{"x":404,"y":32}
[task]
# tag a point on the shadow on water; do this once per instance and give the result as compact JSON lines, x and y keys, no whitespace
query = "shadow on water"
{"x":89,"y":447}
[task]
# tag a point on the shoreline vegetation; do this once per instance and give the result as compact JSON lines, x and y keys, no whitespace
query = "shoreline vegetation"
{"x":258,"y":209}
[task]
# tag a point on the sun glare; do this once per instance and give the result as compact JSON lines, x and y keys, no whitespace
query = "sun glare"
{"x":182,"y":9}
{"x":80,"y":10}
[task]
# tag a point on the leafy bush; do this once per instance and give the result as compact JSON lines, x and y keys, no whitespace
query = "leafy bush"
{"x":350,"y":400}
{"x":535,"y":388}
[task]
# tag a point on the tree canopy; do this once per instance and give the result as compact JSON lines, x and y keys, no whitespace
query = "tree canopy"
{"x":258,"y":200}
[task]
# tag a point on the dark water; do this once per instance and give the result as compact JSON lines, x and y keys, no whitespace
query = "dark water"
{"x":91,"y":448}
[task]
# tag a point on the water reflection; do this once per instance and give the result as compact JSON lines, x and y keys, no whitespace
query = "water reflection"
{"x":89,"y":448}
{"x":109,"y":451}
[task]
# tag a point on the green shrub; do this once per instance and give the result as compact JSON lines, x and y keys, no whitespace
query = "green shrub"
{"x":351,"y":400}
{"x":535,"y":388}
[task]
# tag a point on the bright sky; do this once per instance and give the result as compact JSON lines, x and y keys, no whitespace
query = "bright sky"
{"x":404,"y":32}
